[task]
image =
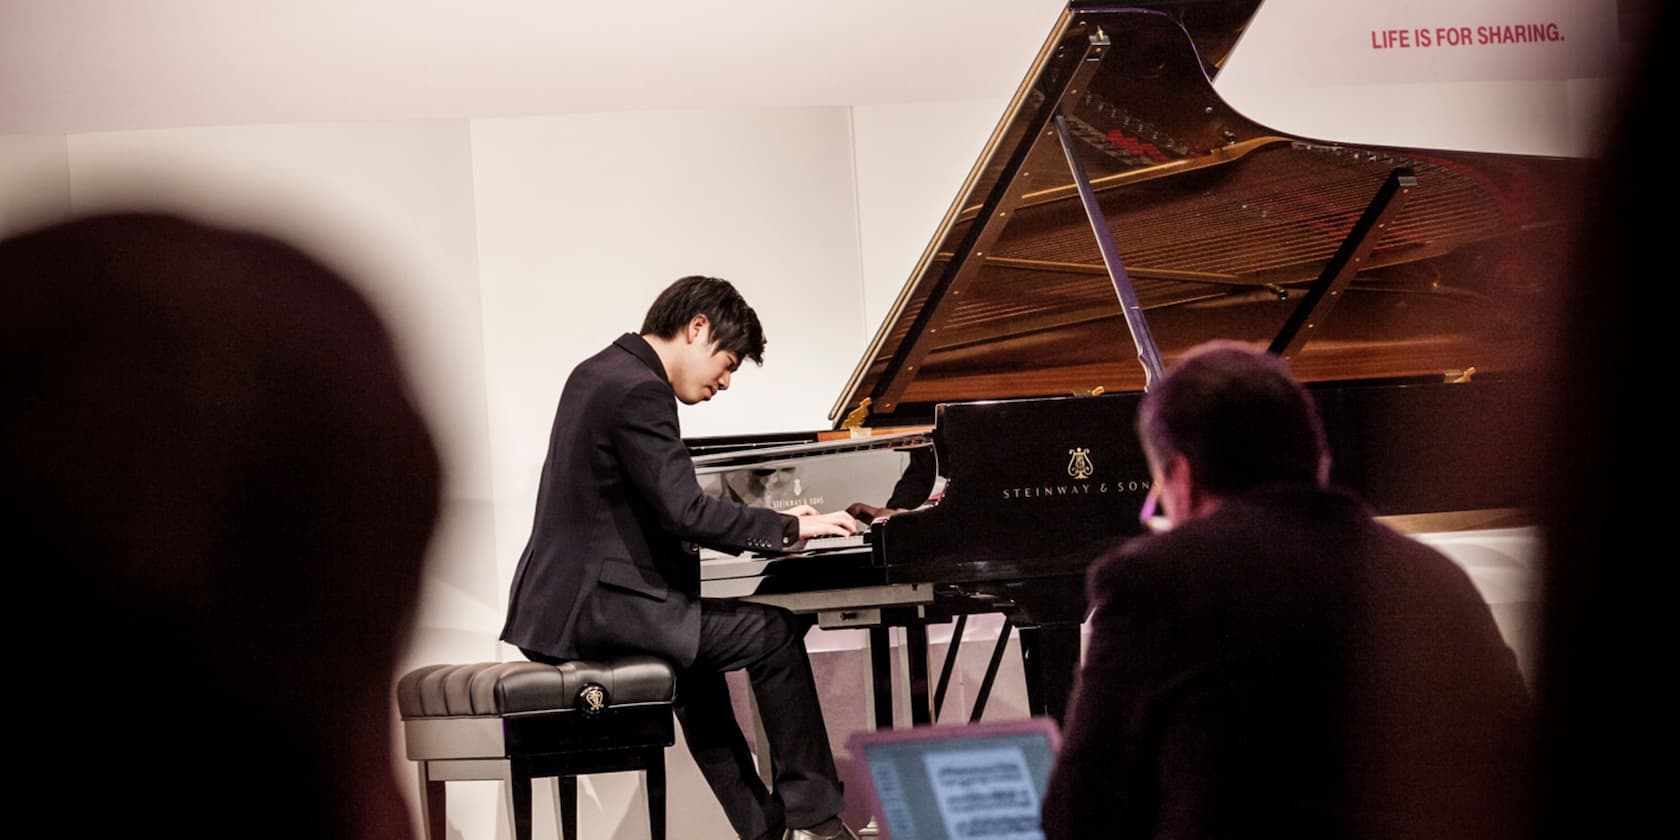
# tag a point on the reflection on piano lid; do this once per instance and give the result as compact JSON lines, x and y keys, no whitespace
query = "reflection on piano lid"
{"x":781,"y":473}
{"x":714,"y":458}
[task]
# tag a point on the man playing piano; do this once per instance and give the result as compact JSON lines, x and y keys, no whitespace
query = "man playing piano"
{"x":610,"y":567}
{"x":1279,"y":663}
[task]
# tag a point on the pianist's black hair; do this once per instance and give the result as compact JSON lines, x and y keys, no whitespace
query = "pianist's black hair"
{"x":734,"y":324}
{"x":1239,"y":416}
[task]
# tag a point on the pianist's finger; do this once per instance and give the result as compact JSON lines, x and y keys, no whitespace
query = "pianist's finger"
{"x":836,"y":524}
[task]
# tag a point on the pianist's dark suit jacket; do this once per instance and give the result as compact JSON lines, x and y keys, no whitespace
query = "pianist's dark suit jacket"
{"x":607,"y":569}
{"x":1289,"y":667}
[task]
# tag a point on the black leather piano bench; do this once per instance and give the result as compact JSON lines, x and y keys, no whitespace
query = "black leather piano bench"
{"x":518,"y":721}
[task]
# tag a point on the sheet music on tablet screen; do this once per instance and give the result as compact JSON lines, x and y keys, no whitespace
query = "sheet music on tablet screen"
{"x":980,"y":781}
{"x":985,"y":793}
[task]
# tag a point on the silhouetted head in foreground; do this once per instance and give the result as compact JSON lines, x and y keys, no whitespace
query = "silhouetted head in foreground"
{"x":218,"y":495}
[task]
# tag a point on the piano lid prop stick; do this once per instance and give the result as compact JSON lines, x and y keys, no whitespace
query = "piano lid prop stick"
{"x":1148,"y":353}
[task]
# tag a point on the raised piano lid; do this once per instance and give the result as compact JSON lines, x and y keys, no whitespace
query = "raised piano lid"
{"x":1221,"y":223}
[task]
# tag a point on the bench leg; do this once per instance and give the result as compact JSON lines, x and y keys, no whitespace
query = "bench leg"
{"x":431,"y":804}
{"x":516,"y":784}
{"x":565,"y":806}
{"x":655,"y":776}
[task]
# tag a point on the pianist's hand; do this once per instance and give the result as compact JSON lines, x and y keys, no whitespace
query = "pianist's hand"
{"x":867,"y":513}
{"x":814,"y":524}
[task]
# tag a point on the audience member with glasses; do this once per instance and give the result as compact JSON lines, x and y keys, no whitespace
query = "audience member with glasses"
{"x":1276,"y":662}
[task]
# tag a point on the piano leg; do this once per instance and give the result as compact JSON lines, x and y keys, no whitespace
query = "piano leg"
{"x":914,"y":651}
{"x":880,"y":675}
{"x":987,"y":681}
{"x":916,"y":645}
{"x":949,"y":666}
{"x":1050,"y":656}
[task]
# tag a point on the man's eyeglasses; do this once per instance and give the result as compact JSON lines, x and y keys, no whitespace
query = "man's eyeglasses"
{"x":1148,"y":516}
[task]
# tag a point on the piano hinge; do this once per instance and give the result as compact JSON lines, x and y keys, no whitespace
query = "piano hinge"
{"x":1457,"y":376}
{"x":1091,"y":392}
{"x":858,"y":415}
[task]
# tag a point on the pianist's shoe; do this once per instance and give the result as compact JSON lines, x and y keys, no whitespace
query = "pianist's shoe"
{"x":831,"y":829}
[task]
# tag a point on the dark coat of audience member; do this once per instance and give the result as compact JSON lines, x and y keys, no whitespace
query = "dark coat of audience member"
{"x":1279,"y":663}
{"x":217,"y":500}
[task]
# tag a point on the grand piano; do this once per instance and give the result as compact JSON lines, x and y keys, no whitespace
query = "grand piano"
{"x":1121,"y":213}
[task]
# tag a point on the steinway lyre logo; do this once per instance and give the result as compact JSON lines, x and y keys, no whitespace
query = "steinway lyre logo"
{"x":1079,"y":466}
{"x":592,"y":699}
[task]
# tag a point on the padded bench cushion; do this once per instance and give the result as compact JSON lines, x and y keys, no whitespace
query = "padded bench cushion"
{"x":512,"y":688}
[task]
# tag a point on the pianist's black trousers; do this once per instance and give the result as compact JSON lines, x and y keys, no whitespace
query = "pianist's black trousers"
{"x":769,"y":644}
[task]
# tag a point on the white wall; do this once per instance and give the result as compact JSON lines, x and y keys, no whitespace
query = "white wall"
{"x":34,"y":181}
{"x":911,"y":162}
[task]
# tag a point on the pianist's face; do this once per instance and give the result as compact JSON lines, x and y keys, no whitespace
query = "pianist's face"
{"x":705,"y":370}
